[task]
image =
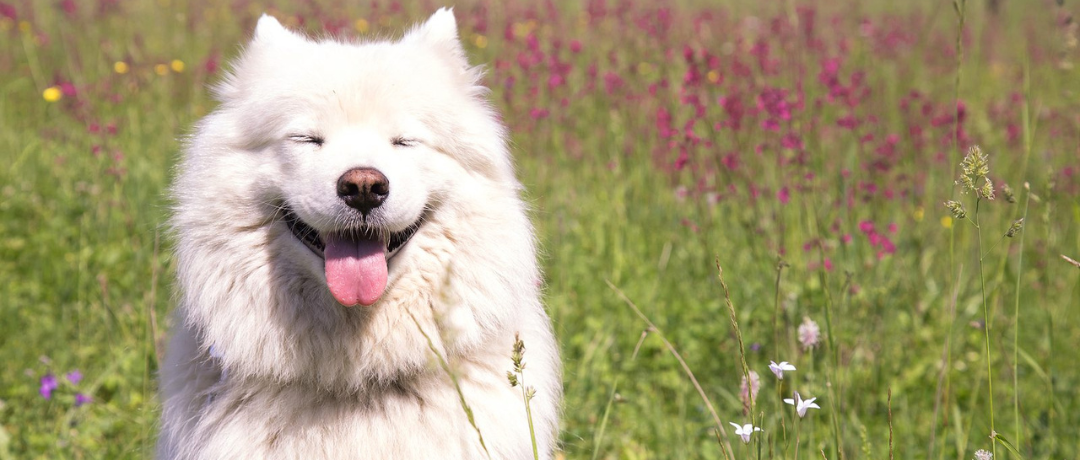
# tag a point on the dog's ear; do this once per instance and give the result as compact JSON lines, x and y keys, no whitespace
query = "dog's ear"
{"x":440,"y":32}
{"x":269,"y":37}
{"x":270,"y":32}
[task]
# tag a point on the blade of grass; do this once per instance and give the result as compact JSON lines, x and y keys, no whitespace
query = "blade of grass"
{"x":725,"y":446}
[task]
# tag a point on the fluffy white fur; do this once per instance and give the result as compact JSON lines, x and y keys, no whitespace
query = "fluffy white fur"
{"x":263,"y":362}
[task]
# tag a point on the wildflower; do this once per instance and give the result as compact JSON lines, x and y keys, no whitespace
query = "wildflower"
{"x":81,"y":399}
{"x":48,"y":384}
{"x":957,"y":209}
{"x":983,"y":455}
{"x":744,"y":431}
{"x":67,"y":89}
{"x":1015,"y":228}
{"x":161,"y":69}
{"x":74,"y":377}
{"x":946,"y":221}
{"x":177,"y":65}
{"x":361,"y":25}
{"x":52,"y":94}
{"x":801,"y":405}
{"x":480,"y":41}
{"x":779,"y":369}
{"x":748,"y":392}
{"x":120,"y":67}
{"x":809,"y":333}
{"x":210,"y":64}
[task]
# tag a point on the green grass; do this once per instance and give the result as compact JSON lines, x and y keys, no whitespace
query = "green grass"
{"x":86,"y":270}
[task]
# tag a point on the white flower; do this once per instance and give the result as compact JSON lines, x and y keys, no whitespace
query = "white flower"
{"x":744,"y":431}
{"x":779,"y":369}
{"x":983,"y":455}
{"x":801,"y":405}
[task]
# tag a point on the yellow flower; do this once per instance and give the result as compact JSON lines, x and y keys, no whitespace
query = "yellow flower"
{"x":52,"y":94}
{"x":946,"y":221}
{"x":714,"y":76}
{"x":120,"y":67}
{"x":361,"y":25}
{"x":918,"y":215}
{"x":481,"y":41}
{"x":522,"y":29}
{"x":161,"y":69}
{"x":177,"y":65}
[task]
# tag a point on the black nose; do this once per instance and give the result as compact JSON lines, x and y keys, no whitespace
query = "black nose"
{"x":363,"y":189}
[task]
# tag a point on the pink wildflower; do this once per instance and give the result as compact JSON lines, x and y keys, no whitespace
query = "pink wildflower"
{"x":809,"y":333}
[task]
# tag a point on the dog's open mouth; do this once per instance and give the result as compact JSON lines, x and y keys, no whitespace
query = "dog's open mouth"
{"x":356,"y":260}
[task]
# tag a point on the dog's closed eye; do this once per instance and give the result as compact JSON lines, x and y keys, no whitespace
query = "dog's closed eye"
{"x":402,"y":141}
{"x":313,"y":139}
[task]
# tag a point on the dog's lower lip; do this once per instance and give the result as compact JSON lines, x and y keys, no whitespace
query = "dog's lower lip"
{"x":311,"y":238}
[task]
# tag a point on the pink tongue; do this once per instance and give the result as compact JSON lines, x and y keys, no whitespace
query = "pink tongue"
{"x":355,"y":269}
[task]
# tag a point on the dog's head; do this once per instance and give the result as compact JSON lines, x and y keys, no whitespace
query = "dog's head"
{"x":355,"y":145}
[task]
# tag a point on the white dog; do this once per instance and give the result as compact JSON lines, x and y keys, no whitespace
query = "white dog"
{"x":354,"y":262}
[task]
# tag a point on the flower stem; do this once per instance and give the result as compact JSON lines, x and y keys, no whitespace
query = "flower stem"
{"x":986,"y":327}
{"x":528,"y":414}
{"x":1016,"y":326}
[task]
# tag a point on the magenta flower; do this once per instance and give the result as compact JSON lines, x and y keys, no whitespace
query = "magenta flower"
{"x":48,"y":384}
{"x":81,"y":399}
{"x":74,"y":377}
{"x":783,"y":195}
{"x":8,"y":11}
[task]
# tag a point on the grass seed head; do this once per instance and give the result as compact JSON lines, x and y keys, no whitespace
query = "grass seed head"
{"x":1015,"y":228}
{"x":518,"y":355}
{"x":957,"y":209}
{"x":1010,"y":195}
{"x":973,"y":169}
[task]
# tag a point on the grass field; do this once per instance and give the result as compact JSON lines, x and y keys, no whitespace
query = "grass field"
{"x":806,"y":147}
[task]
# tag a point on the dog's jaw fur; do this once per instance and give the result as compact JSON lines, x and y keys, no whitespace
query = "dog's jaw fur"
{"x":294,"y":373}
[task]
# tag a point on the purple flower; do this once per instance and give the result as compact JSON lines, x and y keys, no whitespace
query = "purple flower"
{"x":74,"y":377}
{"x":81,"y":399}
{"x":48,"y":384}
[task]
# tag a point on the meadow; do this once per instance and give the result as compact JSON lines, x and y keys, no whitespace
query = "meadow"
{"x":807,"y":148}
